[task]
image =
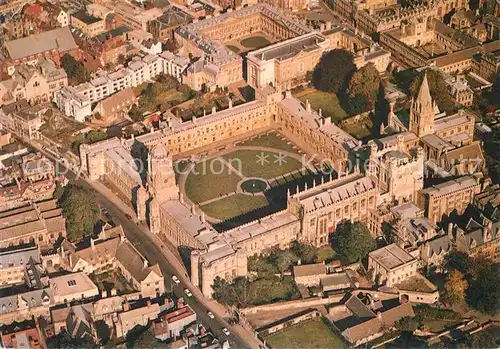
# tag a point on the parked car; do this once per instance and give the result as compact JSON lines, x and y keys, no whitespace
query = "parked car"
{"x":210,"y":315}
{"x":188,"y":293}
{"x":176,"y":279}
{"x":128,"y":216}
{"x":226,"y":331}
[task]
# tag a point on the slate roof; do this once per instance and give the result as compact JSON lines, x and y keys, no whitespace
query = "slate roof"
{"x":59,"y":39}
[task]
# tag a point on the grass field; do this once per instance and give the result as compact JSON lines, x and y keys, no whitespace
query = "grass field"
{"x":361,"y":130}
{"x":328,"y":102}
{"x":270,"y":140}
{"x":233,"y":206}
{"x":202,"y":184}
{"x":255,"y":42}
{"x":255,"y":163}
{"x":233,"y":48}
{"x":310,"y":334}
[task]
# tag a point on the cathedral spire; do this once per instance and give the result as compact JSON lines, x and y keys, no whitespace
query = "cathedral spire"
{"x":422,"y":111}
{"x":424,"y":95}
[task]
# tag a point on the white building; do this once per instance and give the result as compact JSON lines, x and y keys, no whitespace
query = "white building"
{"x":76,"y":101}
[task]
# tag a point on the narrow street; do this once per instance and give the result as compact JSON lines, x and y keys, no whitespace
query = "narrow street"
{"x":140,"y":237}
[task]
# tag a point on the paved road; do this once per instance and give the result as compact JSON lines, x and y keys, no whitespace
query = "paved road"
{"x":152,"y":252}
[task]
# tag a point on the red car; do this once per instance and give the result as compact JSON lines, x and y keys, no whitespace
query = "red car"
{"x":128,"y":216}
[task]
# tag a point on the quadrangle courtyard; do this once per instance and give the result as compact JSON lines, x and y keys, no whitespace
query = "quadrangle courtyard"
{"x":246,"y":181}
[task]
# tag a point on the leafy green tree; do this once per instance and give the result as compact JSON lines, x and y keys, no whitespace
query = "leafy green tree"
{"x":283,"y":259}
{"x":366,"y":82}
{"x":75,"y":70}
{"x":352,"y":241}
{"x":483,"y":293}
{"x":79,"y":207}
{"x":456,"y":260}
{"x":381,"y":106}
{"x":408,"y":324}
{"x":305,"y":252}
{"x":232,"y":293}
{"x":89,"y":137}
{"x":438,"y":89}
{"x":359,"y":104}
{"x":333,"y":71}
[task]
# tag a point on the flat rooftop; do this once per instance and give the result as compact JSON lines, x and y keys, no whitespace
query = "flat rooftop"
{"x":85,"y":17}
{"x":391,"y":256}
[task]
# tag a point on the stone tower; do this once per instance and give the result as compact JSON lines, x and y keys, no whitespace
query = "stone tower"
{"x":161,"y":176}
{"x":422,"y":111}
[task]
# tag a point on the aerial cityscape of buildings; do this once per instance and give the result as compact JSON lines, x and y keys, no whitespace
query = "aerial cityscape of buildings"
{"x":249,"y":174}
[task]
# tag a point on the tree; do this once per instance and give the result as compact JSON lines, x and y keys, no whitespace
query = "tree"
{"x":235,"y":293}
{"x":408,"y":324}
{"x":456,"y":260}
{"x":333,"y":71}
{"x":353,"y":241}
{"x":366,"y":82}
{"x":455,"y":287}
{"x":381,"y":106}
{"x":438,"y":89}
{"x":89,"y":137}
{"x":483,"y":293}
{"x":305,"y":252}
{"x":283,"y":260}
{"x":75,"y":70}
{"x":358,"y":104}
{"x":79,"y":207}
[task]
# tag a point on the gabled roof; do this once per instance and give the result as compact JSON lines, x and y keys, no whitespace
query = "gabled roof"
{"x":59,"y":39}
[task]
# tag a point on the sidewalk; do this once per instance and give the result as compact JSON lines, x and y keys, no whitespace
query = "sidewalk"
{"x":212,"y":305}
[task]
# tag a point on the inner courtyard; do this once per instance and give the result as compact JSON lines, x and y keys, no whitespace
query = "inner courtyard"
{"x":245,"y":182}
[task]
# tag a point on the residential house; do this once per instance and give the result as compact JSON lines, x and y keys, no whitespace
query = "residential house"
{"x":119,"y":254}
{"x":171,"y":324}
{"x":361,"y":320}
{"x":139,"y":316}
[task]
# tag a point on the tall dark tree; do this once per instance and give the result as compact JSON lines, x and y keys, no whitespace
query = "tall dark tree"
{"x":365,"y":81}
{"x":352,"y":241}
{"x":484,"y":293}
{"x":332,"y":72}
{"x":382,"y":107}
{"x":75,"y":70}
{"x":456,"y":260}
{"x":79,"y":207}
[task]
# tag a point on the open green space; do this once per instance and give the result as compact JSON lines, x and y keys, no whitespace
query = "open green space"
{"x":325,"y":254}
{"x":209,"y":180}
{"x":233,"y":48}
{"x":234,"y":205}
{"x":254,"y":163}
{"x":360,"y":130}
{"x":328,"y":102}
{"x":111,"y":279}
{"x":310,"y":334}
{"x":255,"y":42}
{"x":270,"y":140}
